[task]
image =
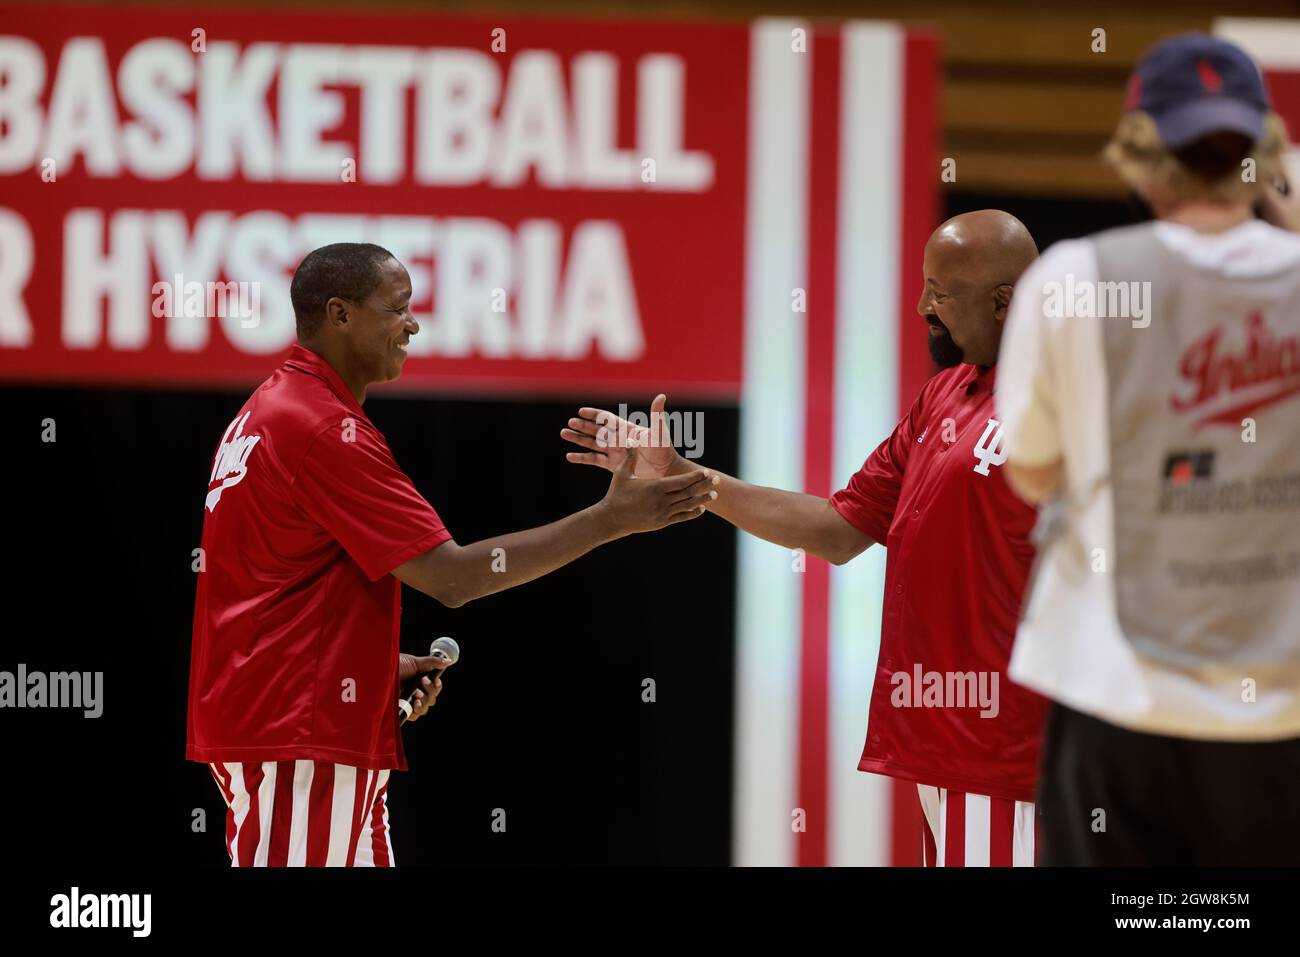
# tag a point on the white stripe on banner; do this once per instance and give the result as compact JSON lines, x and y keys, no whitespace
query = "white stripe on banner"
{"x":866,"y":410}
{"x":1275,"y":44}
{"x":768,"y":599}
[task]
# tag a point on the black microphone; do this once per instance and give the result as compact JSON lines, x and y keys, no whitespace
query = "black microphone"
{"x":444,"y":649}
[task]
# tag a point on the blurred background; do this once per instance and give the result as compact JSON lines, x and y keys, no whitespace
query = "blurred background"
{"x":762,"y":271}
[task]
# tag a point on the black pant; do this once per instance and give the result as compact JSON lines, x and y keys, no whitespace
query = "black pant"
{"x":1109,"y":796}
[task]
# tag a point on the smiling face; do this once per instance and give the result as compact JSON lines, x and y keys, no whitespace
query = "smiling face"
{"x":963,"y":307}
{"x":943,"y":348}
{"x":377,"y":329}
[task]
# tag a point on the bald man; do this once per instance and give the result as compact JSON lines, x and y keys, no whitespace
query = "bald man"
{"x":942,"y":713}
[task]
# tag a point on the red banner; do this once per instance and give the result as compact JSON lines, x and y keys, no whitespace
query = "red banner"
{"x":569,"y":197}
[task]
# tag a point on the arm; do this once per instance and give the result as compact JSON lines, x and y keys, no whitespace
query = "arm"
{"x":455,"y":575}
{"x":1030,"y":393}
{"x":1035,"y":483}
{"x":791,"y":519}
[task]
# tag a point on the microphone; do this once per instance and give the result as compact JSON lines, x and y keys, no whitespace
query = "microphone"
{"x":444,"y":649}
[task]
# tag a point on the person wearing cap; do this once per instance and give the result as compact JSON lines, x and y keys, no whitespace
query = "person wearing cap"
{"x":1150,"y":397}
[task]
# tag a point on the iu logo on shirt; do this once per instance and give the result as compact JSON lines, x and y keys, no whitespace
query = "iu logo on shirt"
{"x":991,"y":449}
{"x":231,"y":464}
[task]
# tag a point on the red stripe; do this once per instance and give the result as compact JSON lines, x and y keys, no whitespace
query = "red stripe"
{"x":360,"y":801}
{"x":1002,"y":831}
{"x":229,"y":795}
{"x":378,"y":834}
{"x":920,"y":173}
{"x":281,"y":815}
{"x":811,"y":846}
{"x":929,"y":853}
{"x":320,"y":806}
{"x":954,"y":829}
{"x":251,"y":832}
{"x":906,"y":814}
{"x":917,"y":186}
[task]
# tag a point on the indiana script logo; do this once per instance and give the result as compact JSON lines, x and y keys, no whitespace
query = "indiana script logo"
{"x":231,"y":464}
{"x":1228,"y":386}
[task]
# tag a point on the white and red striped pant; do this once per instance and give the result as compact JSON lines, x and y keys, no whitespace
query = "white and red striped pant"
{"x":305,"y":813}
{"x":973,"y":830}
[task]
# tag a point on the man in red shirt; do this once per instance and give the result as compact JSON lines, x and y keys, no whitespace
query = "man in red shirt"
{"x":942,"y":712}
{"x":310,"y":528}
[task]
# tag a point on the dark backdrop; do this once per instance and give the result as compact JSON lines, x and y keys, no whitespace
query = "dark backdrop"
{"x":543,"y":717}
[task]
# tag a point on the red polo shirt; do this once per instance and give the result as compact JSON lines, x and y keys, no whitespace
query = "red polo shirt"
{"x":958,"y":560}
{"x":296,"y":618}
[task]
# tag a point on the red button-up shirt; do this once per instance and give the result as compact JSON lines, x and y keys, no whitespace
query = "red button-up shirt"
{"x":296,"y":617}
{"x":943,"y":712}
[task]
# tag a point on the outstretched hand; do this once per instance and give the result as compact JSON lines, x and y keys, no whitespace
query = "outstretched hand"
{"x":635,"y":504}
{"x":607,"y":438}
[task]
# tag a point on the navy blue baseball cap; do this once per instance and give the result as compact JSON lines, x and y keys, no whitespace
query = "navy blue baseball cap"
{"x":1194,"y":84}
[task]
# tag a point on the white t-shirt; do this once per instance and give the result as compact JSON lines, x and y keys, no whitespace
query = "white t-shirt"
{"x":1052,"y":402}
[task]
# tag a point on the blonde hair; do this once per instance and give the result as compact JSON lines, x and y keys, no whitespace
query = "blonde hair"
{"x":1146,"y":164}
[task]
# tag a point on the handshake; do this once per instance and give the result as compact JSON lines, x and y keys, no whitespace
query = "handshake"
{"x":653,"y":485}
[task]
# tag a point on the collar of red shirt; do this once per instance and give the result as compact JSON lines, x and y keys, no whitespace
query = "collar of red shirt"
{"x":979,"y":380}
{"x":305,"y":360}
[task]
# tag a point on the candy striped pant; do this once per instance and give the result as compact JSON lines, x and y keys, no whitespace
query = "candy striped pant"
{"x":973,"y":830}
{"x":304,"y":814}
